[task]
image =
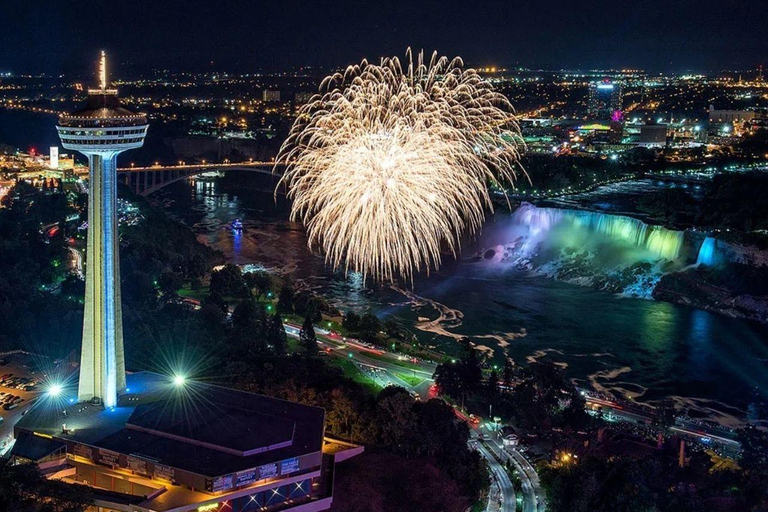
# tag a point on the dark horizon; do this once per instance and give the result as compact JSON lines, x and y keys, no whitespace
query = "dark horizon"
{"x":700,"y":36}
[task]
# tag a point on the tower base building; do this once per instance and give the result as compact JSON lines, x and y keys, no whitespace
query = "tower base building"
{"x":196,"y":447}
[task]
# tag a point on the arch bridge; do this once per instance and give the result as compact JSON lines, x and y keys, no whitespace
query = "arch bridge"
{"x":147,"y":180}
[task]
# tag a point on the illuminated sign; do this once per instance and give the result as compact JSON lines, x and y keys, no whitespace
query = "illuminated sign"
{"x":206,"y":508}
{"x":107,"y":457}
{"x":267,"y":471}
{"x":164,"y":472}
{"x":289,"y":466}
{"x":136,"y":464}
{"x":82,"y":450}
{"x":605,"y":86}
{"x":245,"y":477}
{"x":219,"y":484}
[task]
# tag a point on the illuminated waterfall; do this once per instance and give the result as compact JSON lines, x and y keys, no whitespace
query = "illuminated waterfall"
{"x":657,"y":240}
{"x":707,"y":252}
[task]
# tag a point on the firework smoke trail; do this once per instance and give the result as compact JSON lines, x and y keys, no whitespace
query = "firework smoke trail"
{"x":387,"y":165}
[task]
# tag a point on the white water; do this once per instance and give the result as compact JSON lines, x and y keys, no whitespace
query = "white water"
{"x":662,"y":242}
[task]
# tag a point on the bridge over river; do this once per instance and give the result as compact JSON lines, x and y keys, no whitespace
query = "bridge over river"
{"x":146,"y":180}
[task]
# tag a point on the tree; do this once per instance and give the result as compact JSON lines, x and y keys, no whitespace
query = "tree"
{"x":507,"y":375}
{"x":73,"y":286}
{"x":249,"y":314}
{"x":228,"y":281}
{"x":276,"y":337}
{"x":616,"y":484}
{"x":250,"y":328}
{"x":216,"y":300}
{"x":369,"y":327}
{"x":307,"y":337}
{"x":342,"y":413}
{"x":307,"y":304}
{"x":392,"y":328}
{"x":470,"y":370}
{"x":286,"y":297}
{"x":754,"y":449}
{"x":351,"y":321}
{"x":397,"y":419}
{"x":493,"y":386}
{"x":24,"y":489}
{"x":260,"y":280}
{"x":448,"y":379}
{"x":665,"y":414}
{"x":170,"y":282}
{"x":574,"y":414}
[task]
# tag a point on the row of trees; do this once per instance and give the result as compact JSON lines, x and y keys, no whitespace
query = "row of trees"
{"x":369,"y":328}
{"x":541,"y":398}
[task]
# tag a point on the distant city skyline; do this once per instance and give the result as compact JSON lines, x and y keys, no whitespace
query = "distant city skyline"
{"x":700,"y":36}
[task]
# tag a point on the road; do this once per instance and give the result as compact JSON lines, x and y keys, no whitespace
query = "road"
{"x":533,"y":495}
{"x":386,"y":367}
{"x":706,"y":434}
{"x":506,"y":501}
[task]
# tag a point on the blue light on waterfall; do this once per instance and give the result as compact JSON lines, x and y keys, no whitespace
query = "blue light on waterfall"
{"x":707,"y":252}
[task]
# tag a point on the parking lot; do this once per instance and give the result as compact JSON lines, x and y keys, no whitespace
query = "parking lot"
{"x":19,"y":387}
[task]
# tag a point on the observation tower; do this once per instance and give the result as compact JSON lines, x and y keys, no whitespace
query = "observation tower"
{"x":101,"y":130}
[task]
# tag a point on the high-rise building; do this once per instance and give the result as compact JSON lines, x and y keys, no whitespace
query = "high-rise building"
{"x":605,"y":99}
{"x":53,"y":161}
{"x":270,"y":96}
{"x":101,"y":130}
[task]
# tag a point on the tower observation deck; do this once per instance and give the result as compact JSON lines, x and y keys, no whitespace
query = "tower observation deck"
{"x":101,"y":130}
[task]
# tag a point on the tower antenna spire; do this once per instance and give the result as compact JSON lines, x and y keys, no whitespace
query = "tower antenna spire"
{"x":103,"y":71}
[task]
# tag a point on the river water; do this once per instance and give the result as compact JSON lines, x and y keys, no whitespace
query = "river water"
{"x":714,"y":366}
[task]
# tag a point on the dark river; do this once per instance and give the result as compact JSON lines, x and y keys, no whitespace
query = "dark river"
{"x":716,"y":367}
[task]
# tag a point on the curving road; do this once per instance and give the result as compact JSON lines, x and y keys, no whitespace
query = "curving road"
{"x":506,"y":501}
{"x":533,"y":495}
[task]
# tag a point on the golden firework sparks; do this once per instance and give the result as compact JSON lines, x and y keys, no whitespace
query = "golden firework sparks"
{"x":388,"y":165}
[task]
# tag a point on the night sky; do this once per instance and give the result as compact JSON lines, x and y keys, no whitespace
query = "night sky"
{"x":656,"y":35}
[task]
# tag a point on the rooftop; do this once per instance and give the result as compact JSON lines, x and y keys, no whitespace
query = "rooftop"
{"x":100,"y":108}
{"x":197,"y":427}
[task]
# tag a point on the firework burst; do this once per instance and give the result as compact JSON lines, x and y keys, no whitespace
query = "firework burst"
{"x":388,"y":165}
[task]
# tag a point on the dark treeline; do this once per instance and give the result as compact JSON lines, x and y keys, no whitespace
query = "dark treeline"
{"x":33,"y":266}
